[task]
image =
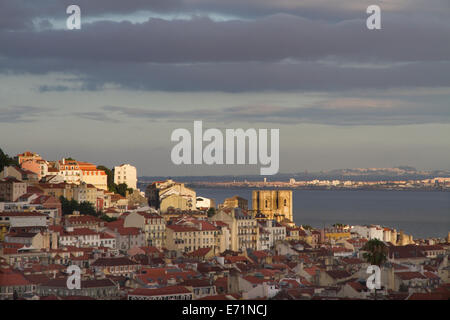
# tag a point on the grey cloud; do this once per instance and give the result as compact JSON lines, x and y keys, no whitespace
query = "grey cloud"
{"x":253,"y":77}
{"x":19,"y":14}
{"x":96,"y":116}
{"x":341,"y":112}
{"x":47,"y":88}
{"x":237,"y":77}
{"x":271,"y":38}
{"x":14,"y":114}
{"x":16,"y":12}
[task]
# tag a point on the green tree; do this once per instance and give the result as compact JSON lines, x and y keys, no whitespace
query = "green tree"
{"x":110,"y":178}
{"x":375,"y":252}
{"x":211,"y":211}
{"x":87,"y":208}
{"x":107,"y":219}
{"x":122,"y":189}
{"x":338,"y":225}
{"x":5,"y":160}
{"x":69,"y":206}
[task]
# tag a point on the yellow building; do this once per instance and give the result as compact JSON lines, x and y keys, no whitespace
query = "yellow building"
{"x":152,"y":224}
{"x":274,"y":204}
{"x":165,"y":194}
{"x":187,"y":238}
{"x":235,"y":202}
{"x":3,"y":230}
{"x":335,"y":236}
{"x":244,"y":231}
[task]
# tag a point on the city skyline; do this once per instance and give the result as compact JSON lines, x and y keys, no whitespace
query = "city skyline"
{"x":342,"y":96}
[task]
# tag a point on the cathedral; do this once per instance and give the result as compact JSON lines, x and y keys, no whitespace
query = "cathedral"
{"x":274,"y":204}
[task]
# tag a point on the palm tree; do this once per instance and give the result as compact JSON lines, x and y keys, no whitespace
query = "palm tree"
{"x":375,"y":252}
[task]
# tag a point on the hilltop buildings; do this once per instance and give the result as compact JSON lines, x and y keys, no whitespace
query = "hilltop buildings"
{"x":167,"y":194}
{"x":126,"y":173}
{"x":235,"y":202}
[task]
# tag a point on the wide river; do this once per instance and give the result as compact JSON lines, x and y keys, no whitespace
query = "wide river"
{"x":420,"y":213}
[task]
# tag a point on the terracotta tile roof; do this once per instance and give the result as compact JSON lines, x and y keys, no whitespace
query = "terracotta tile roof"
{"x":338,"y":274}
{"x":10,"y":279}
{"x":108,"y":262}
{"x":408,"y":275}
{"x":431,"y":275}
{"x":161,"y":291}
{"x":234,"y":259}
{"x":179,"y":228}
{"x":222,"y":297}
{"x":352,"y":261}
{"x":255,"y":280}
{"x":428,"y":296}
{"x":129,"y":231}
{"x":22,"y":214}
{"x":201,"y":252}
{"x":197,"y":283}
{"x":94,"y":283}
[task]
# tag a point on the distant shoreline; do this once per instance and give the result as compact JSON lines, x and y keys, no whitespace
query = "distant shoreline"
{"x":221,"y":186}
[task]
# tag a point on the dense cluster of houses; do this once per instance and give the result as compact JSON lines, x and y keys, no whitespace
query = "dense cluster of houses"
{"x":181,"y":253}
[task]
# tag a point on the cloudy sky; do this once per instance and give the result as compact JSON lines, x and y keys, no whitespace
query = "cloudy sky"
{"x":342,"y":96}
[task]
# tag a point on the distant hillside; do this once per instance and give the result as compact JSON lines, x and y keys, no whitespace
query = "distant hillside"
{"x":356,"y":174}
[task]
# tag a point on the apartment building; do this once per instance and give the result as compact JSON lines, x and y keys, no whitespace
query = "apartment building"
{"x":243,"y":226}
{"x":153,"y":225}
{"x":170,"y":194}
{"x":186,"y":237}
{"x":126,"y":173}
{"x":11,"y":189}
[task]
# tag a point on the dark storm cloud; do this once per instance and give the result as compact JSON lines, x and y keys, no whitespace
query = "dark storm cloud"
{"x":267,"y":39}
{"x":348,"y":112}
{"x":16,"y":13}
{"x":14,"y":114}
{"x":279,"y":52}
{"x":249,"y":77}
{"x":19,"y":14}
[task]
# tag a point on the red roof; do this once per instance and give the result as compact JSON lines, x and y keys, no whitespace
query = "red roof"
{"x":408,"y":275}
{"x":129,"y":231}
{"x":201,"y":252}
{"x":79,"y":232}
{"x":255,"y":280}
{"x":22,"y":214}
{"x":13,"y":279}
{"x":160,"y":292}
{"x":178,"y":228}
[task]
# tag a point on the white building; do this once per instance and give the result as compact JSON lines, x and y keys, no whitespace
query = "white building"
{"x":24,"y":219}
{"x":203,"y":202}
{"x":80,"y":237}
{"x":275,"y":231}
{"x":126,"y":173}
{"x":369,"y":232}
{"x":76,"y":172}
